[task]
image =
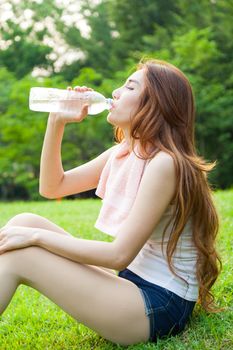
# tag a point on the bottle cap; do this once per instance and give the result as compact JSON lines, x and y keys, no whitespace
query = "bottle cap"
{"x":109,"y":101}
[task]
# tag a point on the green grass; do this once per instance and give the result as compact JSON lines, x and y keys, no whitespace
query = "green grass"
{"x":32,"y":321}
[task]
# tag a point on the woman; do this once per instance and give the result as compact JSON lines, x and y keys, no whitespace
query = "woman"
{"x":157,"y":204}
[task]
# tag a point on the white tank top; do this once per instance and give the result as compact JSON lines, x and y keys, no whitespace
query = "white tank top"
{"x":151,"y":262}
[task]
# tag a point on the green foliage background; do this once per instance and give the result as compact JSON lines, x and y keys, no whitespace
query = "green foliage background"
{"x":195,"y":36}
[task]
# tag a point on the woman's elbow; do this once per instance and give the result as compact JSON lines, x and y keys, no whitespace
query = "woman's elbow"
{"x":121,"y":267}
{"x":121,"y":259}
{"x":121,"y":263}
{"x":46,"y":195}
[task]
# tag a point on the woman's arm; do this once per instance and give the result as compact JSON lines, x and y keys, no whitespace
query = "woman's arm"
{"x":156,"y":191}
{"x":51,"y":169}
{"x":54,"y":182}
{"x":84,"y":251}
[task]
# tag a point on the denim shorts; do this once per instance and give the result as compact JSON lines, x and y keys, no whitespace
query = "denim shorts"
{"x":168,"y":313}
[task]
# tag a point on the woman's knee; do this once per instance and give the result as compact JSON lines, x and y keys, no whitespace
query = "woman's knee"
{"x":23,"y":219}
{"x":34,"y":220}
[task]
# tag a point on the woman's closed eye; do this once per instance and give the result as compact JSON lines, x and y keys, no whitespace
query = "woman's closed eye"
{"x":130,"y":88}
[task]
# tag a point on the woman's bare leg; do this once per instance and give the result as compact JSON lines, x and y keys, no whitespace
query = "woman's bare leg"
{"x":110,"y":305}
{"x":107,"y":304}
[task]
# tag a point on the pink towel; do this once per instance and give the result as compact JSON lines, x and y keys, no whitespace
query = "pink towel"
{"x":118,"y":186}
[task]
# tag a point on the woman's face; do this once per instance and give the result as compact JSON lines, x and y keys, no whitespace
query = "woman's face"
{"x":126,"y":100}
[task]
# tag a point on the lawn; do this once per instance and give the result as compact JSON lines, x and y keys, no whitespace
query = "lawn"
{"x":32,"y":321}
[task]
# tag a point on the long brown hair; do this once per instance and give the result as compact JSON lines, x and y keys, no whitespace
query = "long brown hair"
{"x":164,"y":121}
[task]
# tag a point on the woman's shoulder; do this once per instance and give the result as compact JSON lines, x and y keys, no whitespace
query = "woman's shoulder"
{"x":164,"y":158}
{"x":164,"y":162}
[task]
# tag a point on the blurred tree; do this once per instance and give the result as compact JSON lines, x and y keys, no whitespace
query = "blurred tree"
{"x":116,"y":31}
{"x":21,"y":140}
{"x":134,"y":19}
{"x":204,"y":38}
{"x":97,"y":47}
{"x":195,"y":36}
{"x":22,"y":54}
{"x":22,"y":36}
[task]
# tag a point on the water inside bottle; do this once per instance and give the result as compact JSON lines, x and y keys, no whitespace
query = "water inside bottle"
{"x":69,"y":107}
{"x":66,"y":102}
{"x":42,"y":105}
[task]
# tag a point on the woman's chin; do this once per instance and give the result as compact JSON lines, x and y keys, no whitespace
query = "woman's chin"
{"x":116,"y":121}
{"x":110,"y":119}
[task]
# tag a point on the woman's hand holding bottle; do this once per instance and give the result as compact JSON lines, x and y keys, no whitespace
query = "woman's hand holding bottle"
{"x":63,"y":118}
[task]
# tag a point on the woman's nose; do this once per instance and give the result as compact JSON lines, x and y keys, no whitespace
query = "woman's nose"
{"x":115,"y":94}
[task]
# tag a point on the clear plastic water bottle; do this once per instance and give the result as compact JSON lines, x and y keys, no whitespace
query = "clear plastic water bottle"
{"x":68,"y":102}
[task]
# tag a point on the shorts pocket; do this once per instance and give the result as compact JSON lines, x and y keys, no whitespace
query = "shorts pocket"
{"x":186,"y":314}
{"x":164,"y":323}
{"x":175,"y":310}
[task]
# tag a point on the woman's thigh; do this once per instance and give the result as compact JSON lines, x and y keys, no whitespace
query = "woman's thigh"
{"x":108,"y":304}
{"x":34,"y":220}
